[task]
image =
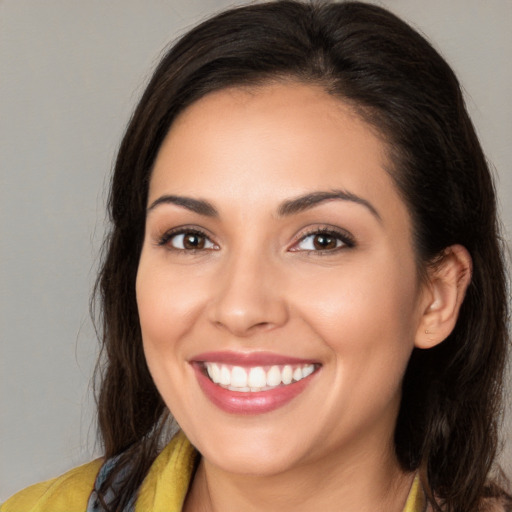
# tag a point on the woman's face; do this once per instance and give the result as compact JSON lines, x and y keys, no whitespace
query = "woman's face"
{"x":277,"y":287}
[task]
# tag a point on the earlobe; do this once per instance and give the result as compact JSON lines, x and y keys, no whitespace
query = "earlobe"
{"x":447,"y":283}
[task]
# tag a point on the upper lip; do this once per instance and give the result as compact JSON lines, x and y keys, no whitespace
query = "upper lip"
{"x":249,"y":358}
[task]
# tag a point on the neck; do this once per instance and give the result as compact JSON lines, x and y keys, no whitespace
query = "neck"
{"x":355,"y":481}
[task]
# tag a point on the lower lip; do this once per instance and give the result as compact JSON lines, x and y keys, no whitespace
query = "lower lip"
{"x":257,"y":402}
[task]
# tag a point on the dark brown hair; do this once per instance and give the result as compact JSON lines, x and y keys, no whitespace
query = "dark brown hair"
{"x":361,"y":53}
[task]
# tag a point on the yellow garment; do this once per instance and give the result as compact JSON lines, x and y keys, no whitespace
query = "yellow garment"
{"x":164,"y":489}
{"x":416,"y":500}
{"x":66,"y":493}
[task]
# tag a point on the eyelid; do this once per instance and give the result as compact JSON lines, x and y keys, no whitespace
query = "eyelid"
{"x":344,"y":236}
{"x":163,"y":239}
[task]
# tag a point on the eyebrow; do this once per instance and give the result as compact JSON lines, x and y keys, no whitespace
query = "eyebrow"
{"x":287,"y":208}
{"x":312,"y":199}
{"x":199,"y":206}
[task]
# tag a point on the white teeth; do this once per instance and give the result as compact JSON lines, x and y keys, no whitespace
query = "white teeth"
{"x":274,"y":376}
{"x":235,"y":388}
{"x":307,"y":370}
{"x":257,"y":377}
{"x":214,"y":372}
{"x":287,"y":374}
{"x":225,"y":376}
{"x":238,"y":378}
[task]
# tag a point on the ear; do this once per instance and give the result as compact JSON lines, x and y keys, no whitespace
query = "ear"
{"x":444,"y":292}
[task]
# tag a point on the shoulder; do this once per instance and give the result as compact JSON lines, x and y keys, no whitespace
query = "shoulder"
{"x":66,"y":493}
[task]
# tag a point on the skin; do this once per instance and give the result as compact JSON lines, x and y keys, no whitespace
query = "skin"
{"x":258,"y":284}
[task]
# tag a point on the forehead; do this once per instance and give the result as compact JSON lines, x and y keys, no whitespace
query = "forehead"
{"x":258,"y":145}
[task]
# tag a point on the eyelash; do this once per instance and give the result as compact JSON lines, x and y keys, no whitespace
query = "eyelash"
{"x":169,"y":235}
{"x":345,"y":238}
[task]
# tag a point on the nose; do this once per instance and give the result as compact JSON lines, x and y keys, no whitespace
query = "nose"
{"x":248,"y":297}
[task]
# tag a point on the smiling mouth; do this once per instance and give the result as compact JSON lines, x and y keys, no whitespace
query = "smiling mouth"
{"x":251,"y":379}
{"x":252,"y":383}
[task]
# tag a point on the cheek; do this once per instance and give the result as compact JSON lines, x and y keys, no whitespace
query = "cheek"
{"x":168,"y":303}
{"x":168,"y":308}
{"x":363,"y":311}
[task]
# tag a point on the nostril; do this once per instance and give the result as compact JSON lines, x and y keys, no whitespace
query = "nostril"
{"x":262,"y":326}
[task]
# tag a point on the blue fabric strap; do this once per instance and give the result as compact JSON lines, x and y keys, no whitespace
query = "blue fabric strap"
{"x":94,"y":504}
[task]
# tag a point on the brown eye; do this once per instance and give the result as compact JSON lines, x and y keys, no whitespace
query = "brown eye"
{"x":188,"y":241}
{"x":193,"y":241}
{"x":324,"y":242}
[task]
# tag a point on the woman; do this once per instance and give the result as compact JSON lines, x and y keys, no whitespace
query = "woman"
{"x":304,"y":270}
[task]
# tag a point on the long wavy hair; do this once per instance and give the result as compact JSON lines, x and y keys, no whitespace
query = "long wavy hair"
{"x":447,"y":427}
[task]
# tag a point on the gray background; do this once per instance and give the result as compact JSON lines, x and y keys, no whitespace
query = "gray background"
{"x":70,"y":74}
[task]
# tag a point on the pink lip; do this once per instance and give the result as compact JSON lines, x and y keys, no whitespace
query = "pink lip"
{"x":239,"y":402}
{"x":249,"y":358}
